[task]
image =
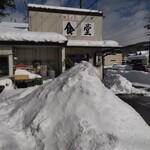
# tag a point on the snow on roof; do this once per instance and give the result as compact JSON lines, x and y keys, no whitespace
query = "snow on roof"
{"x":9,"y":29}
{"x":143,"y":52}
{"x":139,"y":55}
{"x":32,"y":36}
{"x":87,"y":43}
{"x":14,"y":25}
{"x":63,"y":8}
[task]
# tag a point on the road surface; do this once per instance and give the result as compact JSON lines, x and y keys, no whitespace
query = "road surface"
{"x":140,"y":103}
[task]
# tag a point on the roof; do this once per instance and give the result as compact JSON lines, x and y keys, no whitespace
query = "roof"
{"x":87,"y":43}
{"x":139,"y":55}
{"x":57,"y":9}
{"x":14,"y":25}
{"x":35,"y":37}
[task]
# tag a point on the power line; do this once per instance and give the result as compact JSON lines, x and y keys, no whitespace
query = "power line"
{"x":120,"y":33}
{"x":85,"y":16}
{"x":131,"y":39}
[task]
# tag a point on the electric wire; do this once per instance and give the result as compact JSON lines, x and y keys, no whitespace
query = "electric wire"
{"x":132,"y":39}
{"x":125,"y":25}
{"x":85,"y":16}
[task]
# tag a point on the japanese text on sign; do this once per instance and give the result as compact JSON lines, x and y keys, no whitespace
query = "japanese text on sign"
{"x":70,"y":28}
{"x":87,"y":29}
{"x":66,"y":17}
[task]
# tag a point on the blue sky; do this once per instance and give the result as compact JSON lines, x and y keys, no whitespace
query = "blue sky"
{"x":124,"y":19}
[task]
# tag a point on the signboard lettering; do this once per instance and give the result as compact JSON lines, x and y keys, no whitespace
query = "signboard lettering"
{"x":87,"y":29}
{"x":69,"y":28}
{"x":66,"y":17}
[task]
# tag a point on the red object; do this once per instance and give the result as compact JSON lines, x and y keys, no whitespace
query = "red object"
{"x":23,"y":66}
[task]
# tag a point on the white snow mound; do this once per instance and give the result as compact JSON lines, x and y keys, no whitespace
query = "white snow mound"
{"x":7,"y":83}
{"x":25,"y":72}
{"x":74,"y":111}
{"x":118,"y":84}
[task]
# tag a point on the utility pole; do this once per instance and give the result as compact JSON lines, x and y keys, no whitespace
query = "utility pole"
{"x":80,"y":3}
{"x":148,"y":27}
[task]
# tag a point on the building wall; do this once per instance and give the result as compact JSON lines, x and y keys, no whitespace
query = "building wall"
{"x":56,"y":22}
{"x":5,"y":50}
{"x":113,"y":59}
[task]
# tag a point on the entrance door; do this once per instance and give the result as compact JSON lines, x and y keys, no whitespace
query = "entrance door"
{"x":3,"y":65}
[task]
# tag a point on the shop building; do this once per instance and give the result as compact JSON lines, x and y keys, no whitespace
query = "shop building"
{"x":60,"y":37}
{"x":35,"y":51}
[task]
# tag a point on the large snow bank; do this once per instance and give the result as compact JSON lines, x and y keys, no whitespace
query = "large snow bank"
{"x":120,"y":85}
{"x":74,"y":111}
{"x":133,"y":76}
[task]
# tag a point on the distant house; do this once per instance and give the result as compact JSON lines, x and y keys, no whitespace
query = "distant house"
{"x":54,"y":39}
{"x":139,"y":57}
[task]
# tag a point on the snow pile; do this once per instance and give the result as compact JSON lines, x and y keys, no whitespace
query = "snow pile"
{"x":140,"y":78}
{"x":7,"y":83}
{"x":119,"y":84}
{"x":74,"y":111}
{"x":118,"y":67}
{"x":25,"y":72}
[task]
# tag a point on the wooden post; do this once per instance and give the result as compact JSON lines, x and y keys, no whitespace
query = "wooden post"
{"x":10,"y":64}
{"x":63,"y":59}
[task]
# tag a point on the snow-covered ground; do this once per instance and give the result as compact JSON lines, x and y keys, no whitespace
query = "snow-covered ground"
{"x":74,"y":111}
{"x":137,"y":78}
{"x":120,"y":85}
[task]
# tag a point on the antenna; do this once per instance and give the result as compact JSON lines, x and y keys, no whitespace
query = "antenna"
{"x":80,"y":3}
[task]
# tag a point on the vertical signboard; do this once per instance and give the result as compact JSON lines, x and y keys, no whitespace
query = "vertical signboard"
{"x":98,"y":59}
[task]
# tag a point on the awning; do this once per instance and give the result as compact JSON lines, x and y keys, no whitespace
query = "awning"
{"x":32,"y":37}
